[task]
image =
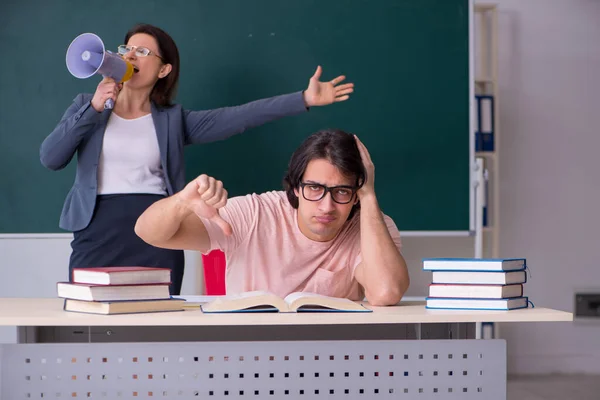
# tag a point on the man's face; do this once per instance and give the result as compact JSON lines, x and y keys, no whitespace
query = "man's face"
{"x":321,"y":220}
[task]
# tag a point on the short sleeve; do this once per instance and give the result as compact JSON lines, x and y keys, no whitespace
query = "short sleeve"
{"x":241,"y":214}
{"x":394,"y":232}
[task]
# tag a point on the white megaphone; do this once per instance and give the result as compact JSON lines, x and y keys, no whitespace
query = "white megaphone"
{"x":87,"y":56}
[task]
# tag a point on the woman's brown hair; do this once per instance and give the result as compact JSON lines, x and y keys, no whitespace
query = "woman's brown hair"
{"x":164,"y":90}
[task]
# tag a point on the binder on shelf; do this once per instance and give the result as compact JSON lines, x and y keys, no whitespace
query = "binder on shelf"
{"x":486,"y":194}
{"x":484,"y":134}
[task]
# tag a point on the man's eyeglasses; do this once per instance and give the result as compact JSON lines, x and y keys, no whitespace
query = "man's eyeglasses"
{"x":139,"y":51}
{"x":339,"y":194}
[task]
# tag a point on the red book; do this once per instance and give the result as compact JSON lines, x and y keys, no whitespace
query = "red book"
{"x":121,"y":275}
{"x":476,"y":291}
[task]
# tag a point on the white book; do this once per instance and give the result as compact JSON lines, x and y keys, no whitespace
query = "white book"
{"x":479,"y":278}
{"x":474,"y":264}
{"x":477,"y":304}
{"x":83,"y":291}
{"x":476,"y":291}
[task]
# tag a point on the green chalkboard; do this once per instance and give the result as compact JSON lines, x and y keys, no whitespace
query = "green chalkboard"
{"x":409,"y":60}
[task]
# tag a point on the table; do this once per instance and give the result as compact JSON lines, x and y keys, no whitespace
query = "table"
{"x":405,"y":351}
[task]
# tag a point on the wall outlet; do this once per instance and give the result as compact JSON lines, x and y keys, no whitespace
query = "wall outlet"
{"x":587,"y":305}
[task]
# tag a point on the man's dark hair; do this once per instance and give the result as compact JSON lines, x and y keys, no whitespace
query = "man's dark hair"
{"x":333,"y":145}
{"x":164,"y":90}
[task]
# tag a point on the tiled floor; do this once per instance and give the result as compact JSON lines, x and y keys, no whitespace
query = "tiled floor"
{"x":553,"y":387}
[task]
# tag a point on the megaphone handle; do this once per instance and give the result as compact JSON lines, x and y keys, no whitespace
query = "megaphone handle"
{"x":109,"y":104}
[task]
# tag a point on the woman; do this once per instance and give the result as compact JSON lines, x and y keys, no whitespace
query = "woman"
{"x":132,"y":156}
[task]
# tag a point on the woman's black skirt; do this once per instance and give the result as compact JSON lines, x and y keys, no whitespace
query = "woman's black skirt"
{"x":110,"y":240}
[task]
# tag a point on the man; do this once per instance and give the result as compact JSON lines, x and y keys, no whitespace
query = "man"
{"x":325,"y":234}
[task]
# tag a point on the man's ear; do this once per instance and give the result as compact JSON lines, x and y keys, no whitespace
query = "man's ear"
{"x":165,"y":70}
{"x":296,"y":192}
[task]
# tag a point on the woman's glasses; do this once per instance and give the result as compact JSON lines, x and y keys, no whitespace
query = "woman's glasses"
{"x":139,"y":51}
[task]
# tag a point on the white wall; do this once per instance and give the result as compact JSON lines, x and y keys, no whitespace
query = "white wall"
{"x":34,"y":265}
{"x":549,"y":92}
{"x":550,"y":190}
{"x":550,"y":187}
{"x":31,"y":267}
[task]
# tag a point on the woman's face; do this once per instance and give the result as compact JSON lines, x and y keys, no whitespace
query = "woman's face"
{"x":148,"y":69}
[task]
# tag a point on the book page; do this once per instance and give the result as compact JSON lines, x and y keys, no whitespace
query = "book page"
{"x":316,"y":301}
{"x":198,"y":298}
{"x":240,"y":296}
{"x":246,"y":301}
{"x":292,"y":297}
{"x":195,"y":301}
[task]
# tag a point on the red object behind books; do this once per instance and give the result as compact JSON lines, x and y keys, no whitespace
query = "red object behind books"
{"x":214,"y":272}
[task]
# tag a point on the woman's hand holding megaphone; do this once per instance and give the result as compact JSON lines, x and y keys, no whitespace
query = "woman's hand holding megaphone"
{"x":107,"y":89}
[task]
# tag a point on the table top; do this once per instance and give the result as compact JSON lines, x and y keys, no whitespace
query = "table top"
{"x":49,"y":312}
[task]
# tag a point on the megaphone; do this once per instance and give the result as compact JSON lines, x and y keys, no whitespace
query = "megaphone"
{"x":87,"y":56}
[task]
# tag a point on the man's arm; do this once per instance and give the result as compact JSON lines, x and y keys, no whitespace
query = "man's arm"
{"x":382,"y":272}
{"x":174,"y":223}
{"x":169,"y":224}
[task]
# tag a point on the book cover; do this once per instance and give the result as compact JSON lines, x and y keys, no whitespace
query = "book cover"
{"x":91,"y":292}
{"x":123,"y":307}
{"x":476,"y":304}
{"x":121,"y":275}
{"x":474,"y":264}
{"x":479,"y":277}
{"x":476,"y":291}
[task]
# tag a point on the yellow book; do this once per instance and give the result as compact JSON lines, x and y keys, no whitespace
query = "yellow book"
{"x":123,"y":307}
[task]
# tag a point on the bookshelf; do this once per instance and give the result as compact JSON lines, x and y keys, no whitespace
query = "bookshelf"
{"x":486,"y":86}
{"x":485,"y":22}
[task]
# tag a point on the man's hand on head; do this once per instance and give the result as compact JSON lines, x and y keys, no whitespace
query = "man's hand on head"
{"x":368,"y":187}
{"x":204,"y":196}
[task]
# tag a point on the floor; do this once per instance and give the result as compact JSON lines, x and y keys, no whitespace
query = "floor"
{"x":553,"y":387}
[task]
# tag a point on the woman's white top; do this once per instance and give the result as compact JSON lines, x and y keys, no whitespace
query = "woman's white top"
{"x":130,"y":157}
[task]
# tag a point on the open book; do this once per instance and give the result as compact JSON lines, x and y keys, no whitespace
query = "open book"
{"x":258,"y":301}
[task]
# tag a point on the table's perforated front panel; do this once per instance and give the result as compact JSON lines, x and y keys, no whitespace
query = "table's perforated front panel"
{"x":398,"y":369}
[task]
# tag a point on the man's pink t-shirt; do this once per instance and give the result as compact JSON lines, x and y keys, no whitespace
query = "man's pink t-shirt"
{"x":267,"y":251}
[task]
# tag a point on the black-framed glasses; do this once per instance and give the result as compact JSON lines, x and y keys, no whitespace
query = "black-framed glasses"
{"x":139,"y":51}
{"x":315,"y":192}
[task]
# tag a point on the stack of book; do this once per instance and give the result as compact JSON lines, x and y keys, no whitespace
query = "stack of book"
{"x":119,"y":290}
{"x":476,"y":283}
